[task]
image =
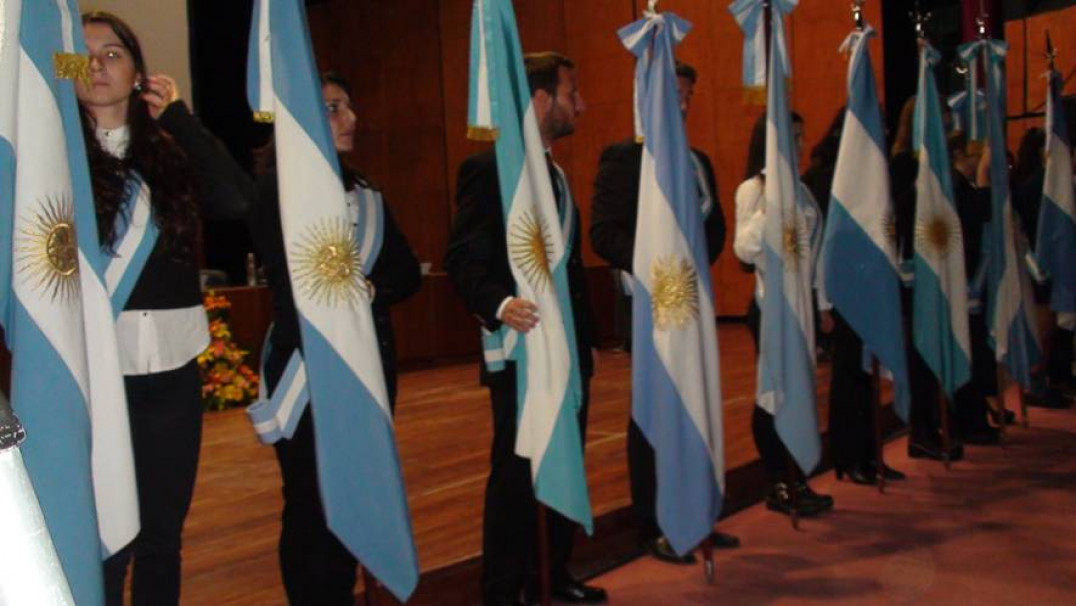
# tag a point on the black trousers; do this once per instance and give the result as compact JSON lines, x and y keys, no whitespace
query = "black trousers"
{"x":316,"y":567}
{"x":166,"y":432}
{"x":509,"y":523}
{"x":851,"y":409}
{"x":1059,"y":364}
{"x":643,"y":478}
{"x":771,"y":450}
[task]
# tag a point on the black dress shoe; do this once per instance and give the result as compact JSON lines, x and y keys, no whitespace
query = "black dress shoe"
{"x":811,"y":499}
{"x":721,"y":540}
{"x":887,"y":471}
{"x":780,"y":500}
{"x":930,"y":449}
{"x":662,"y":550}
{"x":574,"y":592}
{"x":858,"y":474}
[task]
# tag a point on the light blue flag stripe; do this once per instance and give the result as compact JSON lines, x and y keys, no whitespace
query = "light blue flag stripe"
{"x":861,"y":276}
{"x":940,"y":326}
{"x":676,"y":395}
{"x":1008,"y":299}
{"x":500,"y":99}
{"x":360,"y":480}
{"x":1056,"y":245}
{"x":786,"y":360}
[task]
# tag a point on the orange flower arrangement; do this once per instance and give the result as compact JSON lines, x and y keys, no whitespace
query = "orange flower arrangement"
{"x":226,"y":381}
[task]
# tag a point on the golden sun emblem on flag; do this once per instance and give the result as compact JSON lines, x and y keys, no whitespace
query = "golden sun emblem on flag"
{"x":795,"y":242}
{"x":327,"y":267}
{"x":937,"y":235}
{"x":674,"y":291}
{"x":46,"y":249}
{"x":71,"y":66}
{"x":531,"y":249}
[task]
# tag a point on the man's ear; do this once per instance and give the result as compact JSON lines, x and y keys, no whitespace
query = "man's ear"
{"x":542,"y":101}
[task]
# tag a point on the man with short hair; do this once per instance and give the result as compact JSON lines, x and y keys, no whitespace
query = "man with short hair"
{"x":477,"y":263}
{"x":612,"y":233}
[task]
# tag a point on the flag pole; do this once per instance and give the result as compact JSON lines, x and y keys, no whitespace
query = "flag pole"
{"x":708,"y":558}
{"x":544,"y":589}
{"x":876,"y":396}
{"x":371,"y":594}
{"x":946,"y":439}
{"x":1001,"y":409}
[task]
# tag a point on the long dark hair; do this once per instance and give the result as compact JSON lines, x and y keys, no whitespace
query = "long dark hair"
{"x":265,"y":157}
{"x":1029,"y":156}
{"x":756,"y":150}
{"x":151,"y":153}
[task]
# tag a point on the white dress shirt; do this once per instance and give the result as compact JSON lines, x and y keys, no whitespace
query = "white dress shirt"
{"x":154,"y":340}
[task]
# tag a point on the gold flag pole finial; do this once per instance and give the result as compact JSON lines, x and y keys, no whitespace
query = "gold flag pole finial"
{"x":857,"y":13}
{"x":1051,"y":51}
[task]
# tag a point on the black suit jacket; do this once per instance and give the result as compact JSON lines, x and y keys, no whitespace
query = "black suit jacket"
{"x":477,"y":256}
{"x":616,"y":203}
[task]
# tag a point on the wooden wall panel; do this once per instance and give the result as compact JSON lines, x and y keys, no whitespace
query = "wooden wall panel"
{"x":409,"y":63}
{"x":1027,"y":63}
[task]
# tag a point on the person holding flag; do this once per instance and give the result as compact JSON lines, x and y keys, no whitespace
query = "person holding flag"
{"x":514,"y":257}
{"x":321,"y":245}
{"x":316,"y":567}
{"x":613,"y":234}
{"x":154,"y":168}
{"x":778,"y":232}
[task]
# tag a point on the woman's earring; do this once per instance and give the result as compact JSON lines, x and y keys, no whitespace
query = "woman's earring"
{"x":138,"y":86}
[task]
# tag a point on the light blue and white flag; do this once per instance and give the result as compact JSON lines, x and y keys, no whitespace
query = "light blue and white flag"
{"x":66,"y":380}
{"x":751,"y":17}
{"x":358,"y":467}
{"x":940,"y":293}
{"x":1010,"y":303}
{"x":546,"y":359}
{"x":786,"y":371}
{"x":1056,"y":245}
{"x":859,"y":252}
{"x":676,"y":383}
{"x":963,"y":120}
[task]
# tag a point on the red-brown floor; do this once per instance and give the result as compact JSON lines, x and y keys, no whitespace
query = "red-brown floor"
{"x":998,"y":529}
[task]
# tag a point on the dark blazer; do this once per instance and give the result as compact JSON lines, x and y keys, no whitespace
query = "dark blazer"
{"x":222,"y":190}
{"x":395,"y":277}
{"x":616,"y":202}
{"x":477,"y":256}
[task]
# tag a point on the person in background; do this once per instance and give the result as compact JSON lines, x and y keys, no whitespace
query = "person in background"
{"x":612,"y":233}
{"x":747,"y":244}
{"x":316,"y":567}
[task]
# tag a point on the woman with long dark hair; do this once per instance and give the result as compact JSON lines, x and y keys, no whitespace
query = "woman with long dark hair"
{"x":789,"y":491}
{"x":153,"y":168}
{"x":316,"y":567}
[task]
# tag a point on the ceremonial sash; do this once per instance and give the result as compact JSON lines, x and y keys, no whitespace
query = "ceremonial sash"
{"x":136,"y":237}
{"x":275,"y":416}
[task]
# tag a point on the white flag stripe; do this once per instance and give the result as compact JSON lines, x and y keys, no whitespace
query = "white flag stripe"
{"x":41,"y":137}
{"x":872,"y":169}
{"x":548,"y":356}
{"x":324,"y":194}
{"x":696,"y":378}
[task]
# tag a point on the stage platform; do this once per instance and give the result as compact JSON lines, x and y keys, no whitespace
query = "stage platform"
{"x":443,"y":428}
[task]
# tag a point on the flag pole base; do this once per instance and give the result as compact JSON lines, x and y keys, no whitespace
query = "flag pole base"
{"x":708,"y":566}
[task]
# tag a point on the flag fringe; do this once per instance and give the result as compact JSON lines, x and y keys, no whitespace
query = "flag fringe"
{"x":482,"y":133}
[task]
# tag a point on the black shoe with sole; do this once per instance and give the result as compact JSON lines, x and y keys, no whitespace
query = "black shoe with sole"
{"x":721,"y":540}
{"x":662,"y":550}
{"x":929,"y":449}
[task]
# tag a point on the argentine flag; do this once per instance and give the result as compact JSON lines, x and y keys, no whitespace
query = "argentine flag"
{"x":547,"y":364}
{"x":940,"y":292}
{"x":358,"y":468}
{"x":1010,"y":303}
{"x":66,"y":382}
{"x":676,"y":384}
{"x":859,"y":250}
{"x":786,"y":372}
{"x":1056,"y":245}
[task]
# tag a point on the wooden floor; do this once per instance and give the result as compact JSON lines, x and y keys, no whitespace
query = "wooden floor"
{"x":443,"y":428}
